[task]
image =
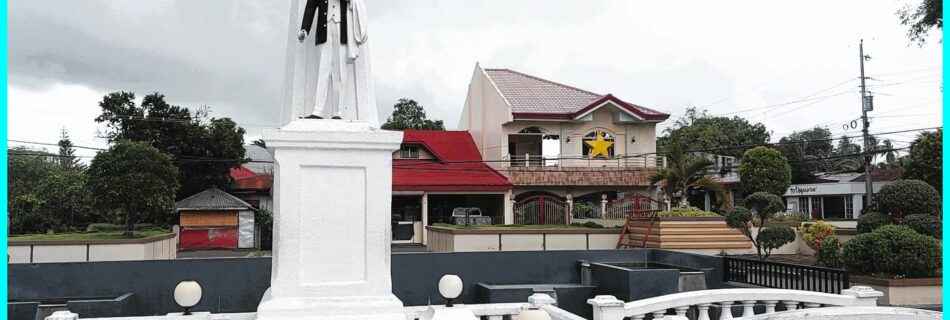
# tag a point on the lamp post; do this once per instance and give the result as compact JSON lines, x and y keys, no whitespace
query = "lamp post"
{"x":187,"y":295}
{"x":450,"y":287}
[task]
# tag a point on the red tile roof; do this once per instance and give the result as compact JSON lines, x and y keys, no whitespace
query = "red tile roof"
{"x":457,"y":167}
{"x":531,"y":97}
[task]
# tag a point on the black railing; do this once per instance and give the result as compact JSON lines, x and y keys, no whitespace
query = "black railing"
{"x":785,"y":275}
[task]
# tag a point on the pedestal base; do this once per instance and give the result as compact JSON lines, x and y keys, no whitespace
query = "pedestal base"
{"x":343,"y":308}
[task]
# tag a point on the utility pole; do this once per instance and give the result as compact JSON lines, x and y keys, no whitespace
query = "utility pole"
{"x":866,"y":105}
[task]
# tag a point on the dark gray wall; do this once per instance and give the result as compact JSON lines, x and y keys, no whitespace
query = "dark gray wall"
{"x":237,"y":284}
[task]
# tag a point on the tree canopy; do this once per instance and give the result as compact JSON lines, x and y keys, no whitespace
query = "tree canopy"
{"x":803,"y":149}
{"x":26,"y":170}
{"x":700,"y":131}
{"x":925,"y":161}
{"x":203,"y":148}
{"x":923,"y":18}
{"x":409,"y":115}
{"x":134,"y":180}
{"x":764,"y":169}
{"x":685,"y":173}
{"x":67,"y":152}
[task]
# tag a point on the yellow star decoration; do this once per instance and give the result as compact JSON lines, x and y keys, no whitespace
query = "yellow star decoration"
{"x":599,"y":147}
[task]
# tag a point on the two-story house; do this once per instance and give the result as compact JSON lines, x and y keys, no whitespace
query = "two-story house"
{"x":544,"y":136}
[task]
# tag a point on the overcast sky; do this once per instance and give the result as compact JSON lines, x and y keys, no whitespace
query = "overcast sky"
{"x":64,"y":55}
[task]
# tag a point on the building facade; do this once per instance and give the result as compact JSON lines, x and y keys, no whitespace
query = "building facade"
{"x":539,"y":134}
{"x":836,"y":196}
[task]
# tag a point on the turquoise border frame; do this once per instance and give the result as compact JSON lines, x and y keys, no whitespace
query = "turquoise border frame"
{"x":3,"y":132}
{"x":946,"y":206}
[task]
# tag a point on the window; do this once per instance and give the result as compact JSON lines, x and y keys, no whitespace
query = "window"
{"x":410,"y":152}
{"x":593,"y":136}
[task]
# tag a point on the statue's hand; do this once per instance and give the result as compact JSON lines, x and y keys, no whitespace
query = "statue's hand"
{"x":302,"y":35}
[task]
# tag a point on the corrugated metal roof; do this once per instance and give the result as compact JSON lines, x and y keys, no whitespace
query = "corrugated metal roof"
{"x":212,"y":199}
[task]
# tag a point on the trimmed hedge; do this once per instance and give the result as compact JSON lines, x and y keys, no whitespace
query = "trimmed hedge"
{"x":893,"y":252}
{"x":924,"y":224}
{"x":686,"y":212}
{"x":775,"y":237}
{"x":829,"y":255}
{"x":870,"y":221}
{"x":909,"y":197}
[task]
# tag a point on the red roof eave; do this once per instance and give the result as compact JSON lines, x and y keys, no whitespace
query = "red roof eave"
{"x":596,"y":103}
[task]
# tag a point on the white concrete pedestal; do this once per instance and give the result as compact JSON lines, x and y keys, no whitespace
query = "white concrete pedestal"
{"x":332,"y":193}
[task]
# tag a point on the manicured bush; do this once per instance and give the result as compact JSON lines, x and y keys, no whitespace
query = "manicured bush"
{"x":108,"y":227}
{"x":924,"y":224}
{"x":870,"y":221}
{"x":815,"y":234}
{"x":588,"y":224}
{"x":764,"y":169}
{"x":764,"y":205}
{"x":893,"y":251}
{"x":829,"y":254}
{"x":775,"y":237}
{"x":686,"y":212}
{"x":792,"y":217}
{"x":909,"y":197}
{"x":739,"y":218}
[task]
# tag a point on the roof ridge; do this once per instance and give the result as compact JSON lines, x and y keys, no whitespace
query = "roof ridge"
{"x":548,"y":81}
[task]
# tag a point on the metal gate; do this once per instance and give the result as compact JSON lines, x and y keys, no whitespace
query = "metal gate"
{"x":541,"y":210}
{"x":621,"y":208}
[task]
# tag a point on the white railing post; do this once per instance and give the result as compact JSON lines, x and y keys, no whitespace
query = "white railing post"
{"x":866,"y":296}
{"x":539,"y":300}
{"x":607,"y":308}
{"x":603,"y":208}
{"x":527,"y":159}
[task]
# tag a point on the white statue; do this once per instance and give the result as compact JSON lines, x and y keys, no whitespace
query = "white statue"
{"x":329,"y":73}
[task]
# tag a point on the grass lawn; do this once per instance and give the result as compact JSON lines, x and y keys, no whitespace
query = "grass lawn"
{"x":87,"y":235}
{"x":518,"y":227}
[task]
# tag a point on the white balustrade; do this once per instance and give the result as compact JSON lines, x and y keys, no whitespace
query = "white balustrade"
{"x":610,"y":308}
{"x":493,"y":311}
{"x":863,"y":313}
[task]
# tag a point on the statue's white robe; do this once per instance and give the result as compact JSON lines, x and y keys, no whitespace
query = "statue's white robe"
{"x":359,"y":96}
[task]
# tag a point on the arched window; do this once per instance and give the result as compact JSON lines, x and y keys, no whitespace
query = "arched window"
{"x":593,"y":136}
{"x":536,"y":130}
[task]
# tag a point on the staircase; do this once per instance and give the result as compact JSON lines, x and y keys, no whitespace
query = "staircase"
{"x":686,"y":233}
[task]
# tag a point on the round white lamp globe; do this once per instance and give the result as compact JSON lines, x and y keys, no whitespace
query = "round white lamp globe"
{"x":450,"y":287}
{"x":533,"y":315}
{"x":187,"y":295}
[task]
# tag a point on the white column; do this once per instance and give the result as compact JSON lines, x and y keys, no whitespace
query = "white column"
{"x":509,"y":208}
{"x":332,"y":233}
{"x":857,"y":204}
{"x":425,"y":218}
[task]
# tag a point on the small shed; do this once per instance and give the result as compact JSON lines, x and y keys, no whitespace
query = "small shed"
{"x":214,"y":219}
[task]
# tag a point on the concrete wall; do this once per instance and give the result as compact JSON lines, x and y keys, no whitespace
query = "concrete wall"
{"x":905,"y":292}
{"x":441,"y":240}
{"x":154,"y":248}
{"x":237,"y":284}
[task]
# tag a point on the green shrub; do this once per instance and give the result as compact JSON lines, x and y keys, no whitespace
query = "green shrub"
{"x":893,"y":251}
{"x":924,"y":224}
{"x":108,"y":227}
{"x":829,"y":254}
{"x":588,"y":224}
{"x":686,"y":212}
{"x":870,"y":221}
{"x":265,"y":223}
{"x":774,"y":237}
{"x":764,"y":204}
{"x":793,"y":217}
{"x":764,"y":169}
{"x":739,"y":218}
{"x":909,"y":197}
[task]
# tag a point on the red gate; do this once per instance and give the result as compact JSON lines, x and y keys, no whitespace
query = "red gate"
{"x":541,"y":210}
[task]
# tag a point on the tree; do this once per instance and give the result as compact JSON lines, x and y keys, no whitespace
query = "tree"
{"x":204,"y":149}
{"x":26,"y":169}
{"x":804,"y":151}
{"x":846,"y":156}
{"x":134,"y":180}
{"x":684,"y":173}
{"x":67,"y":153}
{"x":759,"y":208}
{"x":925,"y":160}
{"x":927,"y":15}
{"x":700,"y":131}
{"x":409,"y":115}
{"x":764,"y":169}
{"x":64,"y":199}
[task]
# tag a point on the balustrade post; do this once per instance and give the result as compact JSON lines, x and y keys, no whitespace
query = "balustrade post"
{"x":703,"y":311}
{"x":607,"y":307}
{"x":770,"y":306}
{"x":747,"y":306}
{"x":866,"y":296}
{"x":725,"y":310}
{"x":62,"y":315}
{"x":539,"y":300}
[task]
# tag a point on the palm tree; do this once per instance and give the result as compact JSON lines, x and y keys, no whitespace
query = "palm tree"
{"x":684,"y":173}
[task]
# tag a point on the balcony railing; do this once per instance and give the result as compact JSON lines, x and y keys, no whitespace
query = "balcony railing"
{"x":566,"y":161}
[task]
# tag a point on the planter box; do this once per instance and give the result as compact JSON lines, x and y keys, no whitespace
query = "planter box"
{"x":161,"y":247}
{"x":443,"y":239}
{"x":690,"y":233}
{"x":904,"y":292}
